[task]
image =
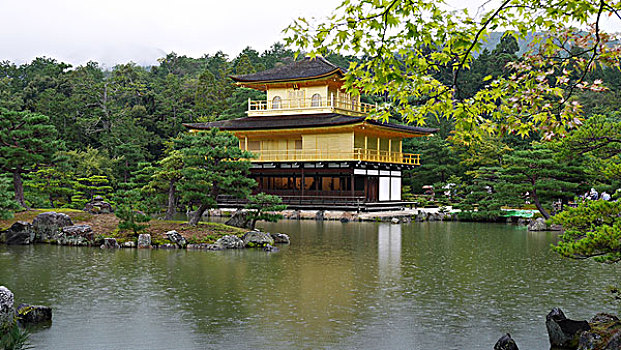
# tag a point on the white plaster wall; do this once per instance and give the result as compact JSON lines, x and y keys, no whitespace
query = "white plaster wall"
{"x":384,"y":188}
{"x":395,"y":188}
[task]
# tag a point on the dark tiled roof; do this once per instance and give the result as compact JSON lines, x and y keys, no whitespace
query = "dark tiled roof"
{"x":303,"y":69}
{"x":301,"y":121}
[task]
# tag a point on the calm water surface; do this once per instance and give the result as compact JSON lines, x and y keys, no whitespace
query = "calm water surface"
{"x":338,"y":286}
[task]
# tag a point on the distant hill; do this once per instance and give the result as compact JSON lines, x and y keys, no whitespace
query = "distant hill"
{"x":494,"y":38}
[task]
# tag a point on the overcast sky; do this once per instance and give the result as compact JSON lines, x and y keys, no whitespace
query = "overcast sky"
{"x":118,"y":31}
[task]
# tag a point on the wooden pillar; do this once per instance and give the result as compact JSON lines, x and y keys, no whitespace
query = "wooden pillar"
{"x":378,"y":148}
{"x":303,"y":182}
{"x":389,"y":150}
{"x":246,"y":142}
{"x":353,"y":192}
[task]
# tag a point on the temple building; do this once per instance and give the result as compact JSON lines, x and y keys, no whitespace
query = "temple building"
{"x":315,"y":146}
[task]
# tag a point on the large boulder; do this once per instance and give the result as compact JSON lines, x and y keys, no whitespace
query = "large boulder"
{"x":76,"y":235}
{"x":563,"y":332}
{"x":110,"y":243}
{"x":257,"y":239}
{"x":34,"y":314}
{"x":240,"y":218}
{"x":98,"y":206}
{"x":228,"y":242}
{"x":144,"y":241}
{"x":538,"y":224}
{"x":6,"y":307}
{"x":20,"y":232}
{"x":47,"y":226}
{"x":176,"y":238}
{"x":506,"y":343}
{"x":605,"y":334}
{"x":280,"y":238}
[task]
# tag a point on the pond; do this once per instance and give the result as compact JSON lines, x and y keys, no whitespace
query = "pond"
{"x":338,"y":286}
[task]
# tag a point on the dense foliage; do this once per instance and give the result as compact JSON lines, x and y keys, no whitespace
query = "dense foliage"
{"x":68,"y":134}
{"x":262,"y":207}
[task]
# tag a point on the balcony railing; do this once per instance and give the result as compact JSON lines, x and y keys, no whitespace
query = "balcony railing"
{"x":259,"y":107}
{"x":314,"y":155}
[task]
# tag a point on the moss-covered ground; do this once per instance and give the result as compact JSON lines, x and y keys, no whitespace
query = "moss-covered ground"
{"x":106,"y":225}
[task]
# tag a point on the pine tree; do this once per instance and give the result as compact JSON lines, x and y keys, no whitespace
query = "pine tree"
{"x":213,"y":165}
{"x":262,"y":207}
{"x":7,"y":204}
{"x":26,"y":139}
{"x":166,"y":178}
{"x":537,"y":173}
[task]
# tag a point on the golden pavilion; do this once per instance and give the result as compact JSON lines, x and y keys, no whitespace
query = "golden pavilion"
{"x":314,"y":144}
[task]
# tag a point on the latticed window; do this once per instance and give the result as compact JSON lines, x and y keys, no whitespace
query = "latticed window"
{"x":276,"y":102}
{"x":316,"y":100}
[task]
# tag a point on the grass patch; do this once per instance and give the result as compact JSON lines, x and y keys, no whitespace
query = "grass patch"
{"x":106,"y":225}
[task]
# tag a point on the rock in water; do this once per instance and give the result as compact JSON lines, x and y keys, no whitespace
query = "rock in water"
{"x":76,"y":235}
{"x":144,"y":241}
{"x":280,"y":238}
{"x":47,"y":225}
{"x":605,"y":333}
{"x":563,"y":332}
{"x":270,"y":249}
{"x":34,"y":314}
{"x":20,"y":232}
{"x":395,"y":221}
{"x":110,"y":243}
{"x":239,"y":219}
{"x":176,"y":238}
{"x":228,"y":242}
{"x":537,"y":225}
{"x":6,"y":307}
{"x":257,"y":239}
{"x":506,"y":343}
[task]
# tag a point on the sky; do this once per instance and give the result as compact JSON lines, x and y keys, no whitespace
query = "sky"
{"x":119,"y":31}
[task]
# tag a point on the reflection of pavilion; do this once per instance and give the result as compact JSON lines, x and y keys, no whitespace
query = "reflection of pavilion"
{"x":389,"y":251}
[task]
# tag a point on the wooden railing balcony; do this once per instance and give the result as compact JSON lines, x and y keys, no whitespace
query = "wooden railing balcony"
{"x":308,"y":105}
{"x":316,"y":155}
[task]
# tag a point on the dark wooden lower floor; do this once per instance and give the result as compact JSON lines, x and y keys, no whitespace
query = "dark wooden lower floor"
{"x":346,"y":186}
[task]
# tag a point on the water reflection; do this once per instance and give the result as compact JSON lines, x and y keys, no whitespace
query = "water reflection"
{"x":338,"y":286}
{"x":389,"y":251}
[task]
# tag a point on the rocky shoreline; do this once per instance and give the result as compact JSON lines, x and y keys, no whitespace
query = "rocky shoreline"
{"x":601,"y":332}
{"x":58,"y":228}
{"x":395,"y":217}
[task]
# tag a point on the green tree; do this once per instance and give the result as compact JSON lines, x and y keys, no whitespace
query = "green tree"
{"x":166,"y":179}
{"x":26,"y":139}
{"x":131,"y":211}
{"x":7,"y":203}
{"x":213,"y":165}
{"x":484,"y":195}
{"x":407,"y":42}
{"x":592,"y":230}
{"x":88,"y":187}
{"x":57,"y":184}
{"x":262,"y":207}
{"x":537,"y":173}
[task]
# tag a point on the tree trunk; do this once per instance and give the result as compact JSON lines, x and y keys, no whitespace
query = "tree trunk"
{"x":19,"y":188}
{"x":170,"y":211}
{"x":543,"y":212}
{"x":198,"y":214}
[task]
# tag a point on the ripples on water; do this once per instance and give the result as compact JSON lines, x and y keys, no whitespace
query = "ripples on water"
{"x":339,"y":286}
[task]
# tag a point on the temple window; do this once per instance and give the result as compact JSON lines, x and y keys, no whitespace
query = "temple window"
{"x":316,"y":100}
{"x":276,"y":102}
